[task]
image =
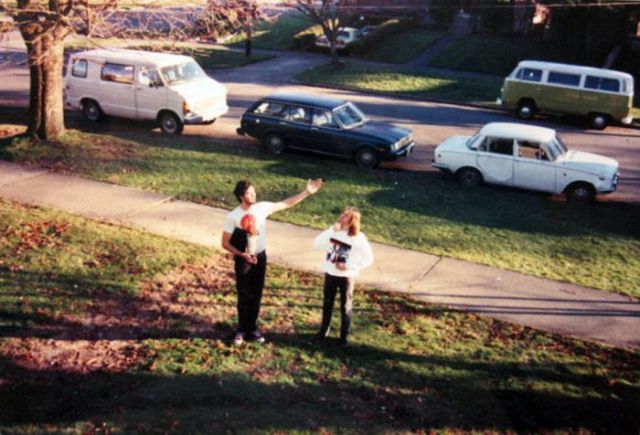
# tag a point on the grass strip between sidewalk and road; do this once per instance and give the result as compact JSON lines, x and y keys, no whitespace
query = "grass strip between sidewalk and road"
{"x":595,"y":246}
{"x":454,"y":88}
{"x":113,"y":330}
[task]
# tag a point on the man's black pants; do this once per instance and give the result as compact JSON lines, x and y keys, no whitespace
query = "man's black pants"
{"x":249,"y":284}
{"x":331,"y":285}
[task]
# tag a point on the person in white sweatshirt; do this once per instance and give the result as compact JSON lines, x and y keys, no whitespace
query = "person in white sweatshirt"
{"x":347,"y":252}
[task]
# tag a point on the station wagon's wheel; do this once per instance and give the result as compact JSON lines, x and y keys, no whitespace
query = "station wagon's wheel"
{"x":91,"y":110}
{"x":526,"y":109}
{"x":170,"y":123}
{"x":599,"y":121}
{"x":469,"y":177}
{"x":366,"y":158}
{"x":274,"y":144}
{"x":580,"y":193}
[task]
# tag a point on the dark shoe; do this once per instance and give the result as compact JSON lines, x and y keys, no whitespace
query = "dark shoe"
{"x":257,"y":337}
{"x":344,"y":343}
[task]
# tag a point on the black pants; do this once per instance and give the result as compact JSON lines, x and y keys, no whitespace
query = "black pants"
{"x":331,"y":285}
{"x":249,"y":284}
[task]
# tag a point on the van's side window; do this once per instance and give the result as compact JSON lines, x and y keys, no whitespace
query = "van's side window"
{"x":529,"y":74}
{"x":115,"y":72}
{"x":602,"y":84}
{"x":561,"y":78}
{"x":79,"y":68}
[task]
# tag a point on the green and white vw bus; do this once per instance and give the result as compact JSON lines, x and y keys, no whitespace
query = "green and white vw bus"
{"x":602,"y":95}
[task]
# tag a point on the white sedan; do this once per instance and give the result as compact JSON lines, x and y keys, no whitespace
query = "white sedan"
{"x":529,"y":157}
{"x":346,"y":35}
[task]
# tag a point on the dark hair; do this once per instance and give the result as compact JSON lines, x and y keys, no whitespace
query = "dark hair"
{"x":241,"y":188}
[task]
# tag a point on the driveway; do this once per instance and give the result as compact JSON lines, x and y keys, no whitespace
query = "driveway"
{"x":431,"y":122}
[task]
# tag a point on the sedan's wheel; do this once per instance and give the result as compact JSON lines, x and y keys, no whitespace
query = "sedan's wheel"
{"x":170,"y":124}
{"x":469,"y":177}
{"x":526,"y":109}
{"x":274,"y":144}
{"x":367,"y":158}
{"x":598,"y":121}
{"x":580,"y":193}
{"x":91,"y":110}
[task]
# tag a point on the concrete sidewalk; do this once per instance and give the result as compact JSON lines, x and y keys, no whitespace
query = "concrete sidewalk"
{"x":553,"y":306}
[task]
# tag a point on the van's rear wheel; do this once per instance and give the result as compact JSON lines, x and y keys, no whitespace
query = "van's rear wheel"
{"x":526,"y":109}
{"x":91,"y":110}
{"x":599,"y":121}
{"x":170,"y":123}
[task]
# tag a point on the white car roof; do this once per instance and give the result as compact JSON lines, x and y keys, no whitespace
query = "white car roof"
{"x":518,"y":131}
{"x":136,"y":57}
{"x":578,"y":69}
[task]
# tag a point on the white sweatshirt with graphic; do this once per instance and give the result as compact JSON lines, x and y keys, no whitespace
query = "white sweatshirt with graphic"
{"x":339,"y":247}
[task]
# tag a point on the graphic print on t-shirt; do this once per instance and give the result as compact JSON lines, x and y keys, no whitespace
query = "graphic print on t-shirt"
{"x":338,"y":252}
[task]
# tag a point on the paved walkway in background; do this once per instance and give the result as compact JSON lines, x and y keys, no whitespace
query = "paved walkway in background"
{"x":553,"y":306}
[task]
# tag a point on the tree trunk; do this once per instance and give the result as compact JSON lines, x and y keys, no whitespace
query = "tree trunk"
{"x":334,"y":54}
{"x":46,"y":110}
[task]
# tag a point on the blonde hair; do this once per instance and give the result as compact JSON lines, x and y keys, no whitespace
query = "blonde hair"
{"x":354,"y":220}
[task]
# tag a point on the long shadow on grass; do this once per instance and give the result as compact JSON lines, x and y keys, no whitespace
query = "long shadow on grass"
{"x":32,"y":304}
{"x":379,"y":390}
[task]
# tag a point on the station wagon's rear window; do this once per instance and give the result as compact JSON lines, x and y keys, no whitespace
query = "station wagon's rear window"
{"x":79,"y":68}
{"x":561,"y":78}
{"x":115,"y":72}
{"x":602,"y":84}
{"x":269,"y":108}
{"x":529,"y":74}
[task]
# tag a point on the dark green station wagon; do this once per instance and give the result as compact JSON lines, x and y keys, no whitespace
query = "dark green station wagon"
{"x":326,"y":126}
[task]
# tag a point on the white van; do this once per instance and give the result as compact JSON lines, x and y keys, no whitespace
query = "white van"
{"x":168,"y":88}
{"x":601,"y":95}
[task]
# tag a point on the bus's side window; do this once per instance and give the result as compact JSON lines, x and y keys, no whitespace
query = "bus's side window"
{"x":529,"y":74}
{"x":602,"y":84}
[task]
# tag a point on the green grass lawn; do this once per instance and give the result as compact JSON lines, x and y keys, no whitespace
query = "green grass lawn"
{"x":405,"y":82}
{"x":493,"y":54}
{"x":396,"y":41}
{"x":596,"y":246}
{"x":275,"y":35}
{"x":207,"y":56}
{"x":111,"y":330}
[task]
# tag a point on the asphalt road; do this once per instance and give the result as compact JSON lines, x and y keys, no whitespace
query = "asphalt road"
{"x":431,"y":122}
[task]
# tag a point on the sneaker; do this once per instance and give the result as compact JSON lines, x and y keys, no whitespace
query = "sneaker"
{"x":257,"y":337}
{"x":238,"y":339}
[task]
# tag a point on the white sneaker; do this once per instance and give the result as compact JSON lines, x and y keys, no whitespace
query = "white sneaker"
{"x":257,"y":337}
{"x":238,"y":339}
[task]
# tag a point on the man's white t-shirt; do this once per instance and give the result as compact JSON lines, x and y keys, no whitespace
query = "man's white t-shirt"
{"x":260,"y":211}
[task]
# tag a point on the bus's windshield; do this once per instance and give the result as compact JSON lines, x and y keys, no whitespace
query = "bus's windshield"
{"x":183,"y":72}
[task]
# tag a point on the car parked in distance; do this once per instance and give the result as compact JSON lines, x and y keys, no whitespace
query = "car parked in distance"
{"x":346,"y":35}
{"x":170,"y":89}
{"x":528,"y":157}
{"x":322,"y":125}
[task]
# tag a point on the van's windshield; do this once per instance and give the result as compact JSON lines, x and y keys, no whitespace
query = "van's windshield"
{"x":183,"y":72}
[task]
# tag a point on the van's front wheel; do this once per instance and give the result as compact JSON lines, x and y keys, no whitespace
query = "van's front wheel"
{"x":170,"y":123}
{"x":599,"y":121}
